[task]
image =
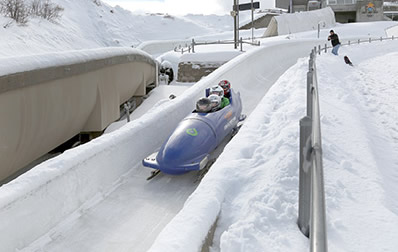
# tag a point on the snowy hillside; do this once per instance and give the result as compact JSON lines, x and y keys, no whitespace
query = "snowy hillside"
{"x":85,"y":24}
{"x":219,"y":23}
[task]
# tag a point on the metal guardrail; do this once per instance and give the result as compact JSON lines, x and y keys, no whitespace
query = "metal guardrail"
{"x":188,"y":48}
{"x":183,"y":48}
{"x":312,"y":210}
{"x":349,"y":42}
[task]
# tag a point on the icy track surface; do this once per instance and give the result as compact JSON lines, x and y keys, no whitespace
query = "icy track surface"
{"x":128,"y":219}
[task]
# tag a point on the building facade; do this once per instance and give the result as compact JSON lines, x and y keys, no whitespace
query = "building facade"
{"x":345,"y":10}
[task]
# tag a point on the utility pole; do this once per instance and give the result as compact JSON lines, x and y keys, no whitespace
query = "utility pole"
{"x":291,"y":6}
{"x":252,"y":22}
{"x":235,"y":14}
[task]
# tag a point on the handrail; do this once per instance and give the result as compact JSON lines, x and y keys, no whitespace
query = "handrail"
{"x":318,"y":235}
{"x":182,"y":49}
{"x":190,"y":47}
{"x":312,"y":209}
{"x":349,"y":42}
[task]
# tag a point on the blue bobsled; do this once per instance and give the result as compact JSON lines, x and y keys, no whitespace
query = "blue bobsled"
{"x":196,"y":136}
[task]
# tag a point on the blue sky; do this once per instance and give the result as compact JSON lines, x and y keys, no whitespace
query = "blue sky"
{"x":183,"y":7}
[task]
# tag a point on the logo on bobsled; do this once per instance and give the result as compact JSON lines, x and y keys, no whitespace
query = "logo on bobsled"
{"x":231,"y":123}
{"x":192,"y":132}
{"x":228,"y":115}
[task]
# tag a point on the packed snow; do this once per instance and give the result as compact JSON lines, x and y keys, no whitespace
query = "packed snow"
{"x":251,"y":192}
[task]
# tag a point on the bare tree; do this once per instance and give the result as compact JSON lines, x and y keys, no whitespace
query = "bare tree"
{"x":46,"y":9}
{"x":35,"y":7}
{"x":19,"y":11}
{"x":15,"y":9}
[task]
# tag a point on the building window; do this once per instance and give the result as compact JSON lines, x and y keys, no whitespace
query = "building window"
{"x":341,"y":2}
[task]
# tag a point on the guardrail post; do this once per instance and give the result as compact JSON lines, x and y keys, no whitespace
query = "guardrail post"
{"x":370,"y":40}
{"x":359,"y":41}
{"x":319,"y":49}
{"x":241,"y":44}
{"x":193,"y":46}
{"x":349,"y":42}
{"x":326,"y":48}
{"x":381,"y":38}
{"x":305,"y":176}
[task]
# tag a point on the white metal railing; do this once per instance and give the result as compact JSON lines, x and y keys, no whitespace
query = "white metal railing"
{"x":188,"y":48}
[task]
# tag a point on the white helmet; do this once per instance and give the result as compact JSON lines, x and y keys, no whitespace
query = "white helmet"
{"x":217,"y":90}
{"x":215,"y":101}
{"x":203,"y":105}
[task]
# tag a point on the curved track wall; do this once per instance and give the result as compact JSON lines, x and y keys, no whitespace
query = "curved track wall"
{"x":267,"y":64}
{"x":67,"y":183}
{"x":42,"y":106}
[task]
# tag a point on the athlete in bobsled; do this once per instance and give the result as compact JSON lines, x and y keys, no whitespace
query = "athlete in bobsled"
{"x":196,"y":136}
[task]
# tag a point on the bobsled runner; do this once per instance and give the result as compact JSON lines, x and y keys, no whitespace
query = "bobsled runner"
{"x":188,"y":148}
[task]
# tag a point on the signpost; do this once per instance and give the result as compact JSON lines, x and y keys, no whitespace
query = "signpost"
{"x":252,"y":9}
{"x":235,"y":13}
{"x":248,"y":6}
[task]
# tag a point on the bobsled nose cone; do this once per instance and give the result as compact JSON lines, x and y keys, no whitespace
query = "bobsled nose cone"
{"x":190,"y":142}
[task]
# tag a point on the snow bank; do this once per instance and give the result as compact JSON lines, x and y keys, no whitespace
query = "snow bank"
{"x":67,"y":183}
{"x":299,"y":22}
{"x":18,"y":64}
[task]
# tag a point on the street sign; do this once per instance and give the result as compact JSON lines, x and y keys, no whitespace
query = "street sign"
{"x":248,"y":6}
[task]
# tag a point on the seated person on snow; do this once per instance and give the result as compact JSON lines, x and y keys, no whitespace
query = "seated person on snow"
{"x":220,"y":92}
{"x":226,"y":86}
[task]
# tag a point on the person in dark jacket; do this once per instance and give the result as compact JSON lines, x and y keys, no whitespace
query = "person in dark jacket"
{"x":167,"y":69}
{"x":335,"y":42}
